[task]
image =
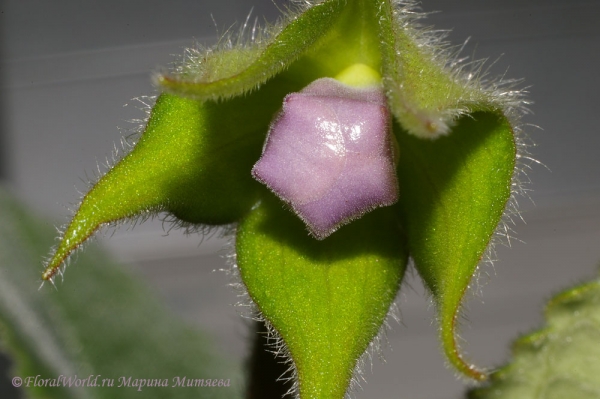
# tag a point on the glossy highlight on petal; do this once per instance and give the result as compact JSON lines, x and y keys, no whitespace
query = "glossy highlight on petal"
{"x":330,"y":155}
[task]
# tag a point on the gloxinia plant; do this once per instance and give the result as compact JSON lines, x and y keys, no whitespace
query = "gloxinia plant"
{"x":339,"y":143}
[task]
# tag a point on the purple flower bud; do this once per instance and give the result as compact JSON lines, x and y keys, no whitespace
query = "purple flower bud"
{"x":330,"y":154}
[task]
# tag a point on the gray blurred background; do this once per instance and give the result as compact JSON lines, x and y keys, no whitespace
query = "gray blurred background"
{"x":67,"y":68}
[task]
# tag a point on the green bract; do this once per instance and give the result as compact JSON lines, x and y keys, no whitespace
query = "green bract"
{"x":455,"y":191}
{"x":327,"y":300}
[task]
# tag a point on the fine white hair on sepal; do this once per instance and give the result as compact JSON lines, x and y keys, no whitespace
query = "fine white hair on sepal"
{"x":248,"y":310}
{"x":477,"y":89}
{"x":236,"y":49}
{"x":375,"y":349}
{"x":129,"y":139}
{"x":276,"y":344}
{"x":500,"y":93}
{"x":504,"y":233}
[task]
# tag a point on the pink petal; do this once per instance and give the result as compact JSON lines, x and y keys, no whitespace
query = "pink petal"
{"x":329,"y":154}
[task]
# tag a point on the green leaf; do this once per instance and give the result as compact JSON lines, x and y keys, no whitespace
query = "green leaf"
{"x":192,"y":160}
{"x":226,"y":72}
{"x":560,"y":361}
{"x":426,"y":92}
{"x":102,"y":323}
{"x":453,"y":194}
{"x":326,"y":299}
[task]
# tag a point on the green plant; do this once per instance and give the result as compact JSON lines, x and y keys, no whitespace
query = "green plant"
{"x":449,"y":152}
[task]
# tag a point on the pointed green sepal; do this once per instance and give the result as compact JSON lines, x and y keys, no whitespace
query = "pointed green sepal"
{"x":225,"y":72}
{"x":193,"y":160}
{"x":426,"y":91}
{"x":326,"y":299}
{"x":454,"y":192}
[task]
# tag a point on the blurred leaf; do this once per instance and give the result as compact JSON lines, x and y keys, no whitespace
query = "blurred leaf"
{"x":453,"y":193}
{"x":560,"y":361}
{"x":102,"y":322}
{"x":326,"y":299}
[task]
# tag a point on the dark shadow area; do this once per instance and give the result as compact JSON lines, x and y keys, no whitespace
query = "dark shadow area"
{"x":265,"y":369}
{"x":230,"y":135}
{"x":375,"y":233}
{"x":7,"y":390}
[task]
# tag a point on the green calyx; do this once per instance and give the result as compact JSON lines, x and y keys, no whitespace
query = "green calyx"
{"x":454,"y":193}
{"x":209,"y":147}
{"x":327,"y":300}
{"x":238,"y":70}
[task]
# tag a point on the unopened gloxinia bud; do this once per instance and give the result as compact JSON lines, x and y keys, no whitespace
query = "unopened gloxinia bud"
{"x":330,"y":154}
